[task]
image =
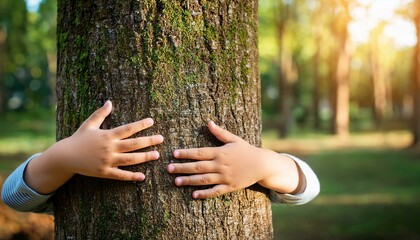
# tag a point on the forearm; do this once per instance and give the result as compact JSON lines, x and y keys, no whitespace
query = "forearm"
{"x":282,"y":174}
{"x":48,"y":171}
{"x":308,"y":189}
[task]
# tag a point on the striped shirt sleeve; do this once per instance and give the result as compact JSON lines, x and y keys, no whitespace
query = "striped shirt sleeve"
{"x":311,"y":190}
{"x":19,"y":196}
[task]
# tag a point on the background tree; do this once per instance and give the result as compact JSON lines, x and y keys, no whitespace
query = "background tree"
{"x":341,"y":72}
{"x":13,"y":49}
{"x":317,"y":78}
{"x":378,"y":74}
{"x":415,"y":79}
{"x":182,"y":63}
{"x":287,"y":68}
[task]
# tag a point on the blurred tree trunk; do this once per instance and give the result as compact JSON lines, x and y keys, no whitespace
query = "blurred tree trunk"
{"x":3,"y":35}
{"x":316,"y":94}
{"x":13,"y":48}
{"x":288,"y":72}
{"x":182,"y":63}
{"x":46,"y":10}
{"x":341,"y":96}
{"x":377,"y":75}
{"x":415,"y":79}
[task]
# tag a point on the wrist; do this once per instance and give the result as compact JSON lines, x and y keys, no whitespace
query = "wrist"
{"x":58,"y":158}
{"x":282,"y":174}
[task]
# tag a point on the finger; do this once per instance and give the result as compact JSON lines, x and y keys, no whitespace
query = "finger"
{"x":206,"y":153}
{"x":199,"y":180}
{"x":192,"y":167}
{"x":97,"y":118}
{"x":222,"y":134}
{"x":127,"y":130}
{"x":123,"y":175}
{"x":211,"y":192}
{"x":132,"y":144}
{"x":127,"y":159}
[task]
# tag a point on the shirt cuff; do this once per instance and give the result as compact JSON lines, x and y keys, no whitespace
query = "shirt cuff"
{"x":19,"y":196}
{"x":311,"y":190}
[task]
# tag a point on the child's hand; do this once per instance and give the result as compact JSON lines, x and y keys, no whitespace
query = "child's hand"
{"x":94,"y":152}
{"x":230,"y":167}
{"x":99,"y":153}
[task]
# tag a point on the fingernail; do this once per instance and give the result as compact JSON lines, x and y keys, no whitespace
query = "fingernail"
{"x":149,"y":121}
{"x":178,"y":181}
{"x":176,"y":153}
{"x":171,"y":168}
{"x":106,"y":104}
{"x":160,"y":138}
{"x":141,"y":177}
{"x":195,"y":195}
{"x":155,"y":154}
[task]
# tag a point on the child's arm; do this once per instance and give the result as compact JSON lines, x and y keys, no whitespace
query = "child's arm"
{"x":90,"y":151}
{"x":237,"y":165}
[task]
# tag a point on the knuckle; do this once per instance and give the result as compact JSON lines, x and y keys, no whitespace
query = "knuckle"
{"x":134,"y":143}
{"x":105,"y":161}
{"x":204,"y":180}
{"x":200,"y":152}
{"x":128,"y":159}
{"x":216,"y":192}
{"x":102,"y":171}
{"x":198,"y":168}
{"x":106,"y":136}
{"x":127,"y":129}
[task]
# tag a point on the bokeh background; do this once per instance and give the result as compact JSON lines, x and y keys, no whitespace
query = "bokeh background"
{"x":340,"y":88}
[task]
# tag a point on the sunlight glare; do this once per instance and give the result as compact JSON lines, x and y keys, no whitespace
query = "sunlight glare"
{"x":32,"y":5}
{"x":371,"y":12}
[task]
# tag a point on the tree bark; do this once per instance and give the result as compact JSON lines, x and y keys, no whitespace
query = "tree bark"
{"x":183,"y":63}
{"x":415,"y":79}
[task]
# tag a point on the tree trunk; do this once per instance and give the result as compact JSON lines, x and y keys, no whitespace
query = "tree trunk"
{"x":415,"y":79}
{"x":183,"y":63}
{"x":3,"y":35}
{"x":342,"y":74}
{"x":288,"y":73}
{"x":378,"y":75}
{"x":316,"y":62}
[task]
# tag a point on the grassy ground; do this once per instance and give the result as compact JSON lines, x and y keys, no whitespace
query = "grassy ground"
{"x":369,"y":182}
{"x":366,"y":194}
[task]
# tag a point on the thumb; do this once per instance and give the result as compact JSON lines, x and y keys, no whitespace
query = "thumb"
{"x":97,"y":118}
{"x":222,"y":134}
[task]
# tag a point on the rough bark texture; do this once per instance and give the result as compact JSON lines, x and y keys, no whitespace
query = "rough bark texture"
{"x":182,"y":63}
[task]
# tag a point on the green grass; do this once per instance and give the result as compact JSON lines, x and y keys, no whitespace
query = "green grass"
{"x":22,"y":134}
{"x":365,"y":194}
{"x":26,"y":132}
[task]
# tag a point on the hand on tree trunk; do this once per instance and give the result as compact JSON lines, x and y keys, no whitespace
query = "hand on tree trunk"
{"x":233,"y":166}
{"x":94,"y":152}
